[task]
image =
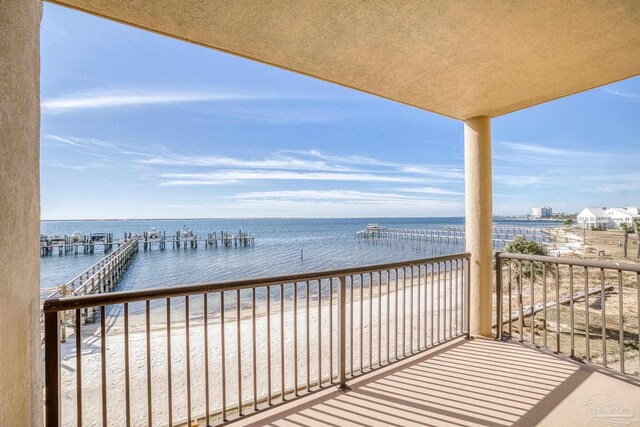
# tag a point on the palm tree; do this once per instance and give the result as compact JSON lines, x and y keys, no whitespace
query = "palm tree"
{"x":626,"y":229}
{"x":636,"y":227}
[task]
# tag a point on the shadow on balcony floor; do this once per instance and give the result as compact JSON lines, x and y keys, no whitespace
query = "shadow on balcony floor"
{"x":479,"y":382}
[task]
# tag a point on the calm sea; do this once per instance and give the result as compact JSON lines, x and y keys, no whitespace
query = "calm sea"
{"x":324,"y":243}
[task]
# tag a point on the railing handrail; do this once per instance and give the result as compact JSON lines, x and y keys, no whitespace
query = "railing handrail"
{"x":95,"y":300}
{"x":608,"y":265}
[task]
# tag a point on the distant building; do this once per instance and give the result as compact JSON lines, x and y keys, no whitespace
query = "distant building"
{"x":607,"y":217}
{"x":541,"y":212}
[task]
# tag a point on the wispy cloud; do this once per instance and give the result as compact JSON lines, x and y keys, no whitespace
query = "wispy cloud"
{"x":234,"y":176}
{"x":119,"y":98}
{"x":618,"y":92}
{"x":538,"y":149}
{"x":349,"y":196}
{"x":274,"y":162}
{"x":431,"y":190}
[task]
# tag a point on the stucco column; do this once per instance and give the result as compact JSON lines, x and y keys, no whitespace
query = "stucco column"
{"x":479,"y":220}
{"x":20,"y":360}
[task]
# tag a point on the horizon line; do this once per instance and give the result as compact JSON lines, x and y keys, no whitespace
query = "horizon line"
{"x":264,"y":217}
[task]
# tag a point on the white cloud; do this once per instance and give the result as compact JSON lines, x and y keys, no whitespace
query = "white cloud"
{"x":539,"y":149}
{"x":278,"y":162}
{"x":352,"y":196}
{"x":233,"y":176}
{"x":136,"y":97}
{"x":431,"y":190}
{"x":617,"y":92}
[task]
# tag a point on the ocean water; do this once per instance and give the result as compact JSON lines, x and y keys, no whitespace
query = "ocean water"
{"x":325,"y":244}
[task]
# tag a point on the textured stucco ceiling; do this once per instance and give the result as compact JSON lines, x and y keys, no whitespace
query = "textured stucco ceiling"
{"x":457,"y":58}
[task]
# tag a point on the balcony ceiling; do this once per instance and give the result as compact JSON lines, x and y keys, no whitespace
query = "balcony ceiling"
{"x":457,"y":58}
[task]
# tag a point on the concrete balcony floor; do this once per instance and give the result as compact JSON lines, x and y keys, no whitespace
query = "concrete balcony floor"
{"x":468,"y":383}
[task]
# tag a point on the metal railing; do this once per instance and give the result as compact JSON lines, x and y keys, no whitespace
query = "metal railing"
{"x":590,"y":309}
{"x":208,"y":353}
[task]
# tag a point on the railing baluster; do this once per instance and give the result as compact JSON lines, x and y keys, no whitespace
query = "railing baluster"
{"x":403,"y":318}
{"x":331,"y":331}
{"x":603,"y":307}
{"x":418,"y":306}
{"x":254,"y":349}
{"x":510,"y":300}
{"x":205,"y":324}
{"x":269,"y":391}
{"x":520,"y":308}
{"x":351,"y":328}
{"x":621,"y":319}
{"x":223,"y":369}
{"x":438,"y":312}
{"x":457,"y":307}
{"x":169,"y":391}
{"x":103,"y":364}
{"x":361,"y":324}
{"x":187,"y":347}
{"x":319,"y":333}
{"x":450,"y":300}
{"x":532,"y":266}
{"x":239,"y":350}
{"x":468,"y":297}
{"x":586,"y":314}
{"x":282,"y":378}
{"x":388,"y":316}
{"x":431,"y":315}
{"x":499,"y":316}
{"x":127,"y":374}
{"x":370,"y":321}
{"x":444,"y":302}
{"x":379,"y":318}
{"x":557,"y":308}
{"x":544,"y":304}
{"x":307,"y":337}
{"x":295,"y":338}
{"x":395,"y":317}
{"x":342,"y":368}
{"x":410,"y":310}
{"x":571,"y":312}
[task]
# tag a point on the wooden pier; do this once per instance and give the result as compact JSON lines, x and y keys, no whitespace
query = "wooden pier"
{"x":501,"y":234}
{"x":213,"y":240}
{"x":63,"y":245}
{"x":87,"y":244}
{"x":101,"y":277}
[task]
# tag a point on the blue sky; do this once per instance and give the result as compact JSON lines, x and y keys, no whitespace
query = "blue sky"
{"x":136,"y":125}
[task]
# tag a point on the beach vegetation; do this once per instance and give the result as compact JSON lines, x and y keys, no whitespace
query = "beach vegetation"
{"x":520,"y":245}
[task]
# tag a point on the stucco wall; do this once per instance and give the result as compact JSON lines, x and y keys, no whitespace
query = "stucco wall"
{"x":479,"y":220}
{"x":20,"y":377}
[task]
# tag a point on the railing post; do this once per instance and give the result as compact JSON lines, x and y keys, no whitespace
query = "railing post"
{"x":468,"y":310}
{"x":52,"y":368}
{"x":63,"y":320}
{"x":342,"y":332}
{"x":499,"y":314}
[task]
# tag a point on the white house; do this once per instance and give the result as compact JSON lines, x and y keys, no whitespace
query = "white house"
{"x":607,"y":217}
{"x":620,"y":215}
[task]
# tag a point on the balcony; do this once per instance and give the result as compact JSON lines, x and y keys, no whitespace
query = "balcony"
{"x":472,"y":383}
{"x":470,"y":62}
{"x":376,"y":345}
